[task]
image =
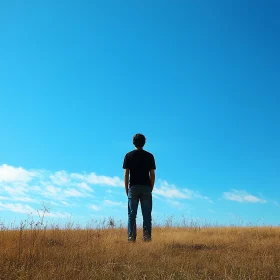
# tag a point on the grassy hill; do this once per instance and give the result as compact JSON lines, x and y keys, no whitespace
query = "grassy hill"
{"x":174,"y":253}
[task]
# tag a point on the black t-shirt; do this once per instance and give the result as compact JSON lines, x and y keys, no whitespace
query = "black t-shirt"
{"x":139,"y":162}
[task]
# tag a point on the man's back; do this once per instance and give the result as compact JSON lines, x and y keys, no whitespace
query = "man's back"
{"x":139,"y":180}
{"x":139,"y":162}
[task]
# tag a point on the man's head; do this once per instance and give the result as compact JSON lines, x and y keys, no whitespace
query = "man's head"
{"x":139,"y":140}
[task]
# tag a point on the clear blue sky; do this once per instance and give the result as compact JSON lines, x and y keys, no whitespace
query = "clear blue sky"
{"x":201,"y":79}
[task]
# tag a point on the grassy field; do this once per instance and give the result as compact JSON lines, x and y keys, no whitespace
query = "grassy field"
{"x":174,"y":253}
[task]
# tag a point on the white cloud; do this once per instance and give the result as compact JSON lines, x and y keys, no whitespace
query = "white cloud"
{"x":94,"y":207}
{"x":15,"y":174}
{"x":17,"y":208}
{"x":18,"y":198}
{"x":172,"y":192}
{"x":14,"y":191}
{"x":26,"y":209}
{"x":73,"y":192}
{"x":34,"y":188}
{"x":104,"y":180}
{"x":21,"y":183}
{"x":114,"y":203}
{"x":54,"y":214}
{"x":242,"y":196}
{"x":174,"y":203}
{"x":30,"y":187}
{"x":53,"y":190}
{"x":24,"y":199}
{"x":60,"y":178}
{"x":65,"y":203}
{"x":84,"y":186}
{"x":94,"y":179}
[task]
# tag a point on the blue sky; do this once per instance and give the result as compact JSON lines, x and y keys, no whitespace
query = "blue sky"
{"x":199,"y":78}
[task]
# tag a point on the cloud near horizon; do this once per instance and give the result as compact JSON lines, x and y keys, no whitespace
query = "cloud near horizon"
{"x":22,"y":191}
{"x":15,"y":174}
{"x":21,"y":185}
{"x":170,"y":191}
{"x":26,"y":209}
{"x":242,"y":196}
{"x":21,"y":188}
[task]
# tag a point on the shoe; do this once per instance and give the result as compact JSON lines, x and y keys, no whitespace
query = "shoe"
{"x":146,"y":238}
{"x":131,"y":239}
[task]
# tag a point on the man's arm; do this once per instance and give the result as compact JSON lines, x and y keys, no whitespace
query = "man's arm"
{"x":152,"y":178}
{"x":126,"y":179}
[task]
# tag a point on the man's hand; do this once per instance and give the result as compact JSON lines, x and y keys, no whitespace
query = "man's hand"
{"x":126,"y":179}
{"x":152,"y":178}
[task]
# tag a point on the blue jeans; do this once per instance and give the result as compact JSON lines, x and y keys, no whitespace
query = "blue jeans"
{"x":143,"y":194}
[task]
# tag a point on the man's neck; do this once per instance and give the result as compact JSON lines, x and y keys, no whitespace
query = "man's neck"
{"x":139,"y":149}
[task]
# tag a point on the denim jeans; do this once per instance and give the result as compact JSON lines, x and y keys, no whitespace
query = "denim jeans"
{"x":143,"y":194}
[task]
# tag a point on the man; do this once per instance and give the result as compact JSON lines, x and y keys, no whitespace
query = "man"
{"x":139,"y":179}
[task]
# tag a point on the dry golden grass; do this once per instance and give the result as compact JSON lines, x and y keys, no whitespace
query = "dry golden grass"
{"x":174,"y":253}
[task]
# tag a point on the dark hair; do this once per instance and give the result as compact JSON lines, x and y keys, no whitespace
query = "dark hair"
{"x":139,"y":140}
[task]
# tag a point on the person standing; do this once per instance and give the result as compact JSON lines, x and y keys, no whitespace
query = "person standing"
{"x":139,"y":179}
